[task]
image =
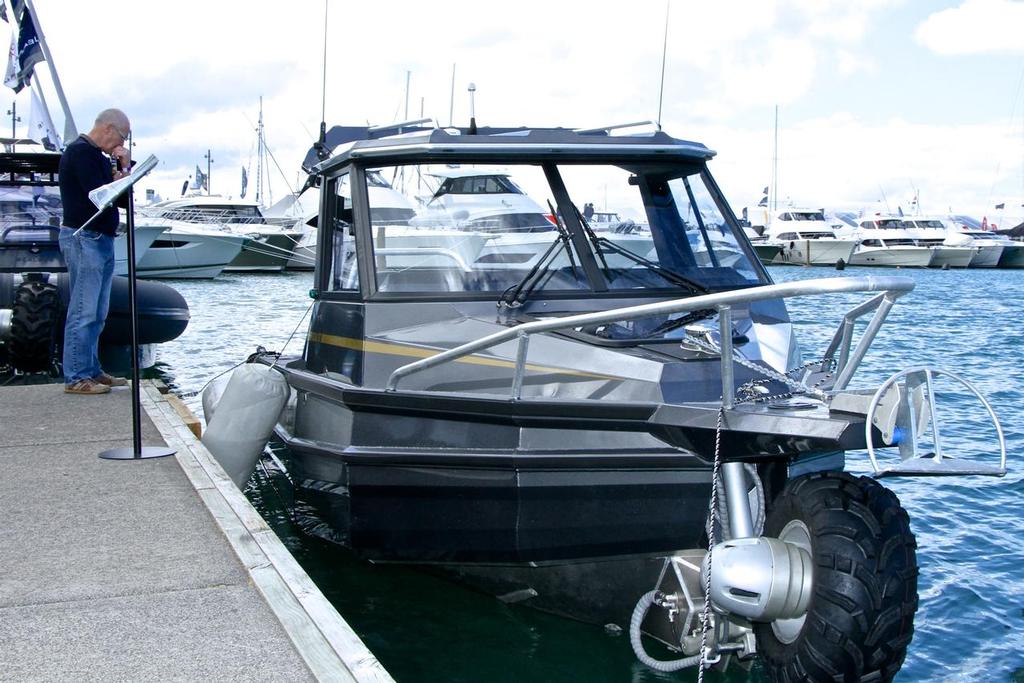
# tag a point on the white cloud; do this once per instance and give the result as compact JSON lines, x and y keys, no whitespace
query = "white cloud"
{"x":843,"y":160}
{"x":975,"y":27}
{"x":849,"y":63}
{"x":194,"y":72}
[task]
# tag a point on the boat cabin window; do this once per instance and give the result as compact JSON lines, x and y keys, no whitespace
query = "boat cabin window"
{"x":809,"y":216}
{"x":475,"y":228}
{"x":468,"y":229}
{"x":477,"y":184}
{"x":344,"y":264}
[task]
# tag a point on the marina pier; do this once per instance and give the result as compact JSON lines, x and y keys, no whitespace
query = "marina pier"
{"x":139,"y":570}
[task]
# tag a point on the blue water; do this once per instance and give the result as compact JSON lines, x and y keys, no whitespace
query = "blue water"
{"x":970,"y":624}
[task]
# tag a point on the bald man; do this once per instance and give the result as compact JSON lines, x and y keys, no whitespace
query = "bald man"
{"x":87,"y":163}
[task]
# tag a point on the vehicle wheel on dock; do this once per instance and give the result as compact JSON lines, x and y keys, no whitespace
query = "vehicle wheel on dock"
{"x":861,"y":616}
{"x":34,"y":322}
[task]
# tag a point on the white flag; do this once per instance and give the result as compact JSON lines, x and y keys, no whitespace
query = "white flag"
{"x":11,"y":77}
{"x":40,"y":125}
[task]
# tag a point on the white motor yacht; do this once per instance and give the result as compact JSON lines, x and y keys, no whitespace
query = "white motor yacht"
{"x":885,"y":242}
{"x":269,"y":245}
{"x":931,"y":232}
{"x":803,"y":235}
{"x":961,"y":232}
{"x":145,"y":235}
{"x":187,"y":250}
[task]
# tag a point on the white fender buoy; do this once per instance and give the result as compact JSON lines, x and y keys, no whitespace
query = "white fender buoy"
{"x":212,"y":394}
{"x":245,"y":417}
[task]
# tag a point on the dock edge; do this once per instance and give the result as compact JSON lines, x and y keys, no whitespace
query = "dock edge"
{"x":324,"y":640}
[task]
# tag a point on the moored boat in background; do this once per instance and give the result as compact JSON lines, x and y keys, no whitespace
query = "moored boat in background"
{"x":931,"y":232}
{"x":803,"y":235}
{"x":268,"y":245}
{"x":883,"y":241}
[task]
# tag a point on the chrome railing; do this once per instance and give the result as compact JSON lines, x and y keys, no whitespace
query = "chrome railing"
{"x":215,"y":216}
{"x":891,"y":288}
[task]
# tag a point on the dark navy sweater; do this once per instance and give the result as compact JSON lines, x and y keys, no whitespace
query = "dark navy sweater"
{"x":84,"y":167}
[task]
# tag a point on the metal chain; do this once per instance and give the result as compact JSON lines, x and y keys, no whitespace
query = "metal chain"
{"x":799,"y":387}
{"x":705,"y":619}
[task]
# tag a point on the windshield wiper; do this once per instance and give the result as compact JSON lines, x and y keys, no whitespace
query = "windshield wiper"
{"x":670,"y":275}
{"x":517,"y":294}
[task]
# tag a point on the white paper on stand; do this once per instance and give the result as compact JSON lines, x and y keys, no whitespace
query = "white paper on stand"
{"x":104,"y":195}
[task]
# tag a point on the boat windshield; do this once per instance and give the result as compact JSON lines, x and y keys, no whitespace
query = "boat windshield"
{"x":537,"y":230}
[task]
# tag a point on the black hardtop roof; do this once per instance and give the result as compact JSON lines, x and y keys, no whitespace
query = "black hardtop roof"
{"x":28,"y":168}
{"x":429,"y":145}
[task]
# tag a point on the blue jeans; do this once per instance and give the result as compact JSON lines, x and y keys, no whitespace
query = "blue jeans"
{"x":90,"y":260}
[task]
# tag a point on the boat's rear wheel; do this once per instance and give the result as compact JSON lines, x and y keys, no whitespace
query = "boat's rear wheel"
{"x":861,"y":616}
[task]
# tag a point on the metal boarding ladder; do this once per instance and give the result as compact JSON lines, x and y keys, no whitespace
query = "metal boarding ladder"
{"x":904,"y":411}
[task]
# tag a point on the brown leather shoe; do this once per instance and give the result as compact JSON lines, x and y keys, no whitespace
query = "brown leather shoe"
{"x":110,"y":380}
{"x":86,"y":387}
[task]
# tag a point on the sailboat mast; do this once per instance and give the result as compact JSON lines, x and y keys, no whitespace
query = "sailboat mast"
{"x":259,"y":155}
{"x":775,"y":164}
{"x":70,"y":131}
{"x":408,"y":77}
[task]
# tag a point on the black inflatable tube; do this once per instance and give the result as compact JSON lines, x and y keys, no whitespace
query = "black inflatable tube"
{"x":163,"y":313}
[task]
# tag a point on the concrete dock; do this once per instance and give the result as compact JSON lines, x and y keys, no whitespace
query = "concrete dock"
{"x":150,"y":569}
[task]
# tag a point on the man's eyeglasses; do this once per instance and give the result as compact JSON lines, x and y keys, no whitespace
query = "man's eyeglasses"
{"x":123,"y":136}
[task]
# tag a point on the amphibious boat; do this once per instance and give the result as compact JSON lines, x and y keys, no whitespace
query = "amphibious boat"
{"x":548,"y":429}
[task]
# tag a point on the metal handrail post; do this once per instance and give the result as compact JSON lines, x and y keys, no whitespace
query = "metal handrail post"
{"x":844,"y":333}
{"x":517,"y":378}
{"x":865,"y":341}
{"x":725,"y":344}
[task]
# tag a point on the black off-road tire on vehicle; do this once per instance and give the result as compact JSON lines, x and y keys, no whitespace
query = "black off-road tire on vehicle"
{"x":35,"y":322}
{"x":861,"y":615}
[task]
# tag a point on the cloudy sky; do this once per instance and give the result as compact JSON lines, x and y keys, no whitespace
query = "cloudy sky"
{"x":877,"y":99}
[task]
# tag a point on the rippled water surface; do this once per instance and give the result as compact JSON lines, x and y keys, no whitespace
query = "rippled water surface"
{"x":970,"y":624}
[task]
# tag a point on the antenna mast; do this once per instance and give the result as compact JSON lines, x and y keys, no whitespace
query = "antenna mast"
{"x":664,"y":51}
{"x":321,"y":143}
{"x":451,"y":105}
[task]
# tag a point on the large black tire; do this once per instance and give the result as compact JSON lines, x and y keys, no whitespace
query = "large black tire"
{"x":35,"y":320}
{"x":861,"y":615}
